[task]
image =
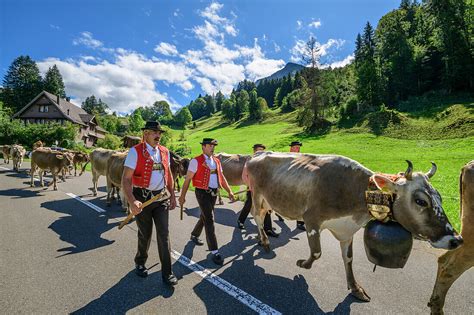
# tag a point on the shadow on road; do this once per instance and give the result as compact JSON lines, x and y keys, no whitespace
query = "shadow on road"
{"x":76,"y":228}
{"x":130,"y":292}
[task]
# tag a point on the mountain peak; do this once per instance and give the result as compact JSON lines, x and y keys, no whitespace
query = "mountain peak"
{"x":289,"y":68}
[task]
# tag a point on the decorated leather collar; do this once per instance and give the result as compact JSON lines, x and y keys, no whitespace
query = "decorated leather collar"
{"x":380,"y":203}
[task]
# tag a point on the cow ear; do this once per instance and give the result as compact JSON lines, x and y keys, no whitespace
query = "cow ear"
{"x":384,"y":183}
{"x":60,"y":156}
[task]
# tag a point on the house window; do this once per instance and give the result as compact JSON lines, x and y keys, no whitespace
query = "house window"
{"x":44,"y":108}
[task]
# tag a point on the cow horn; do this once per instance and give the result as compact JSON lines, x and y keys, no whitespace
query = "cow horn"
{"x":432,"y":170}
{"x":409,"y":170}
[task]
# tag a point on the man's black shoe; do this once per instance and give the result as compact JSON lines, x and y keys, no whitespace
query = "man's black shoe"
{"x":240,"y":225}
{"x":141,"y":271}
{"x":170,"y":280}
{"x":300,"y":225}
{"x":217,"y":259}
{"x":197,"y":240}
{"x":271,"y":233}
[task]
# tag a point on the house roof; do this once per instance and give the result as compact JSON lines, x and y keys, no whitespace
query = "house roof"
{"x":70,"y":111}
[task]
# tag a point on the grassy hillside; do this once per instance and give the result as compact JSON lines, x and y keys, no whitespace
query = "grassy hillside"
{"x":386,"y":152}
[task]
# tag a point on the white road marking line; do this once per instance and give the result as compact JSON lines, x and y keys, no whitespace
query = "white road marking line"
{"x":87,"y":203}
{"x":4,"y":168}
{"x":240,"y":295}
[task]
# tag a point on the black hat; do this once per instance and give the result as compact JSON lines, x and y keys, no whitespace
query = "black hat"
{"x":209,"y":141}
{"x":296,"y":143}
{"x":153,"y":125}
{"x":259,"y":145}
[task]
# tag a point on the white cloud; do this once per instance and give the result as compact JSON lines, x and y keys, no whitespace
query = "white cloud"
{"x":342,"y":63}
{"x":166,"y":49}
{"x":124,"y":85}
{"x":315,"y":24}
{"x":54,"y":27}
{"x":176,"y":12}
{"x":230,"y":29}
{"x":299,"y":24}
{"x":276,"y":47}
{"x":86,"y":39}
{"x":298,"y":50}
{"x":89,"y":41}
{"x":207,"y":31}
{"x":211,"y":14}
{"x":324,"y":49}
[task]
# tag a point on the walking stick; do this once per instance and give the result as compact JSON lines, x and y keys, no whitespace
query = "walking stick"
{"x":145,"y":204}
{"x":181,"y":213}
{"x":238,"y":193}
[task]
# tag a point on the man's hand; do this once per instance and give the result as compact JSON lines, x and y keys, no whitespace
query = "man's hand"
{"x":135,"y":207}
{"x":181,"y":200}
{"x":231,"y":196}
{"x":172,"y":202}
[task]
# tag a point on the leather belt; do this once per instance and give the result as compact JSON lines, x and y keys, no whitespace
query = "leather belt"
{"x":212,"y":191}
{"x":146,"y":193}
{"x":213,"y":171}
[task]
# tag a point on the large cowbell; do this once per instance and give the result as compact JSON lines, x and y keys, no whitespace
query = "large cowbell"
{"x":387,"y":244}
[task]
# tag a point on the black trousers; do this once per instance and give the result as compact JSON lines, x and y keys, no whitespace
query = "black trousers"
{"x":157,"y":212}
{"x":206,"y":201}
{"x":267,"y":222}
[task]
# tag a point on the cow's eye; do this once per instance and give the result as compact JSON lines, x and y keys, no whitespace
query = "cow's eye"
{"x":421,"y":202}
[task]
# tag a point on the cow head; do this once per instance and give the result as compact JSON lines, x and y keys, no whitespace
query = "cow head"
{"x":65,"y":158}
{"x":417,"y":206}
{"x":183,"y":166}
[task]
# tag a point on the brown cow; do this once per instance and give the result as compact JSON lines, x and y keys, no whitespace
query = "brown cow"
{"x":328,"y":192}
{"x":37,"y":144}
{"x":54,"y":161}
{"x":98,"y":159}
{"x":114,"y":178}
{"x":17,"y":153}
{"x":79,"y":158}
{"x":178,"y":167}
{"x":130,"y":141}
{"x":454,"y":263}
{"x":6,"y":150}
{"x":232,"y":167}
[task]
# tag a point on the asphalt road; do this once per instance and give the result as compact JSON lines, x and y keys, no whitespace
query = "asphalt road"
{"x":59,"y":255}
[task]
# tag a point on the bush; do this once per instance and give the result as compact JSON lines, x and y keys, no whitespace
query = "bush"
{"x":181,"y":149}
{"x":17,"y":132}
{"x":350,"y":109}
{"x":110,"y":141}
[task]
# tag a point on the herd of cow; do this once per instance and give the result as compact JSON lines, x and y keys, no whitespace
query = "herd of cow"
{"x":325,"y":191}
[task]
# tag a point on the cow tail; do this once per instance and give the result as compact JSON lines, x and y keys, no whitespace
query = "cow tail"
{"x":83,"y":168}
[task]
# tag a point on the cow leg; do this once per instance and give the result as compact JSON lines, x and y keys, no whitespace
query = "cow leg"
{"x":356,"y":290}
{"x":41,"y":178}
{"x":75,"y":169}
{"x":177,"y":184}
{"x":110,"y":189}
{"x":258,"y":213}
{"x":95,"y":179}
{"x":314,"y":241}
{"x":451,"y":266}
{"x":55,"y":175}
{"x":119,"y":195}
{"x":32,"y":173}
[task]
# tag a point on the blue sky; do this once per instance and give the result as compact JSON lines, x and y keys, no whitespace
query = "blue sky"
{"x":132,"y":53}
